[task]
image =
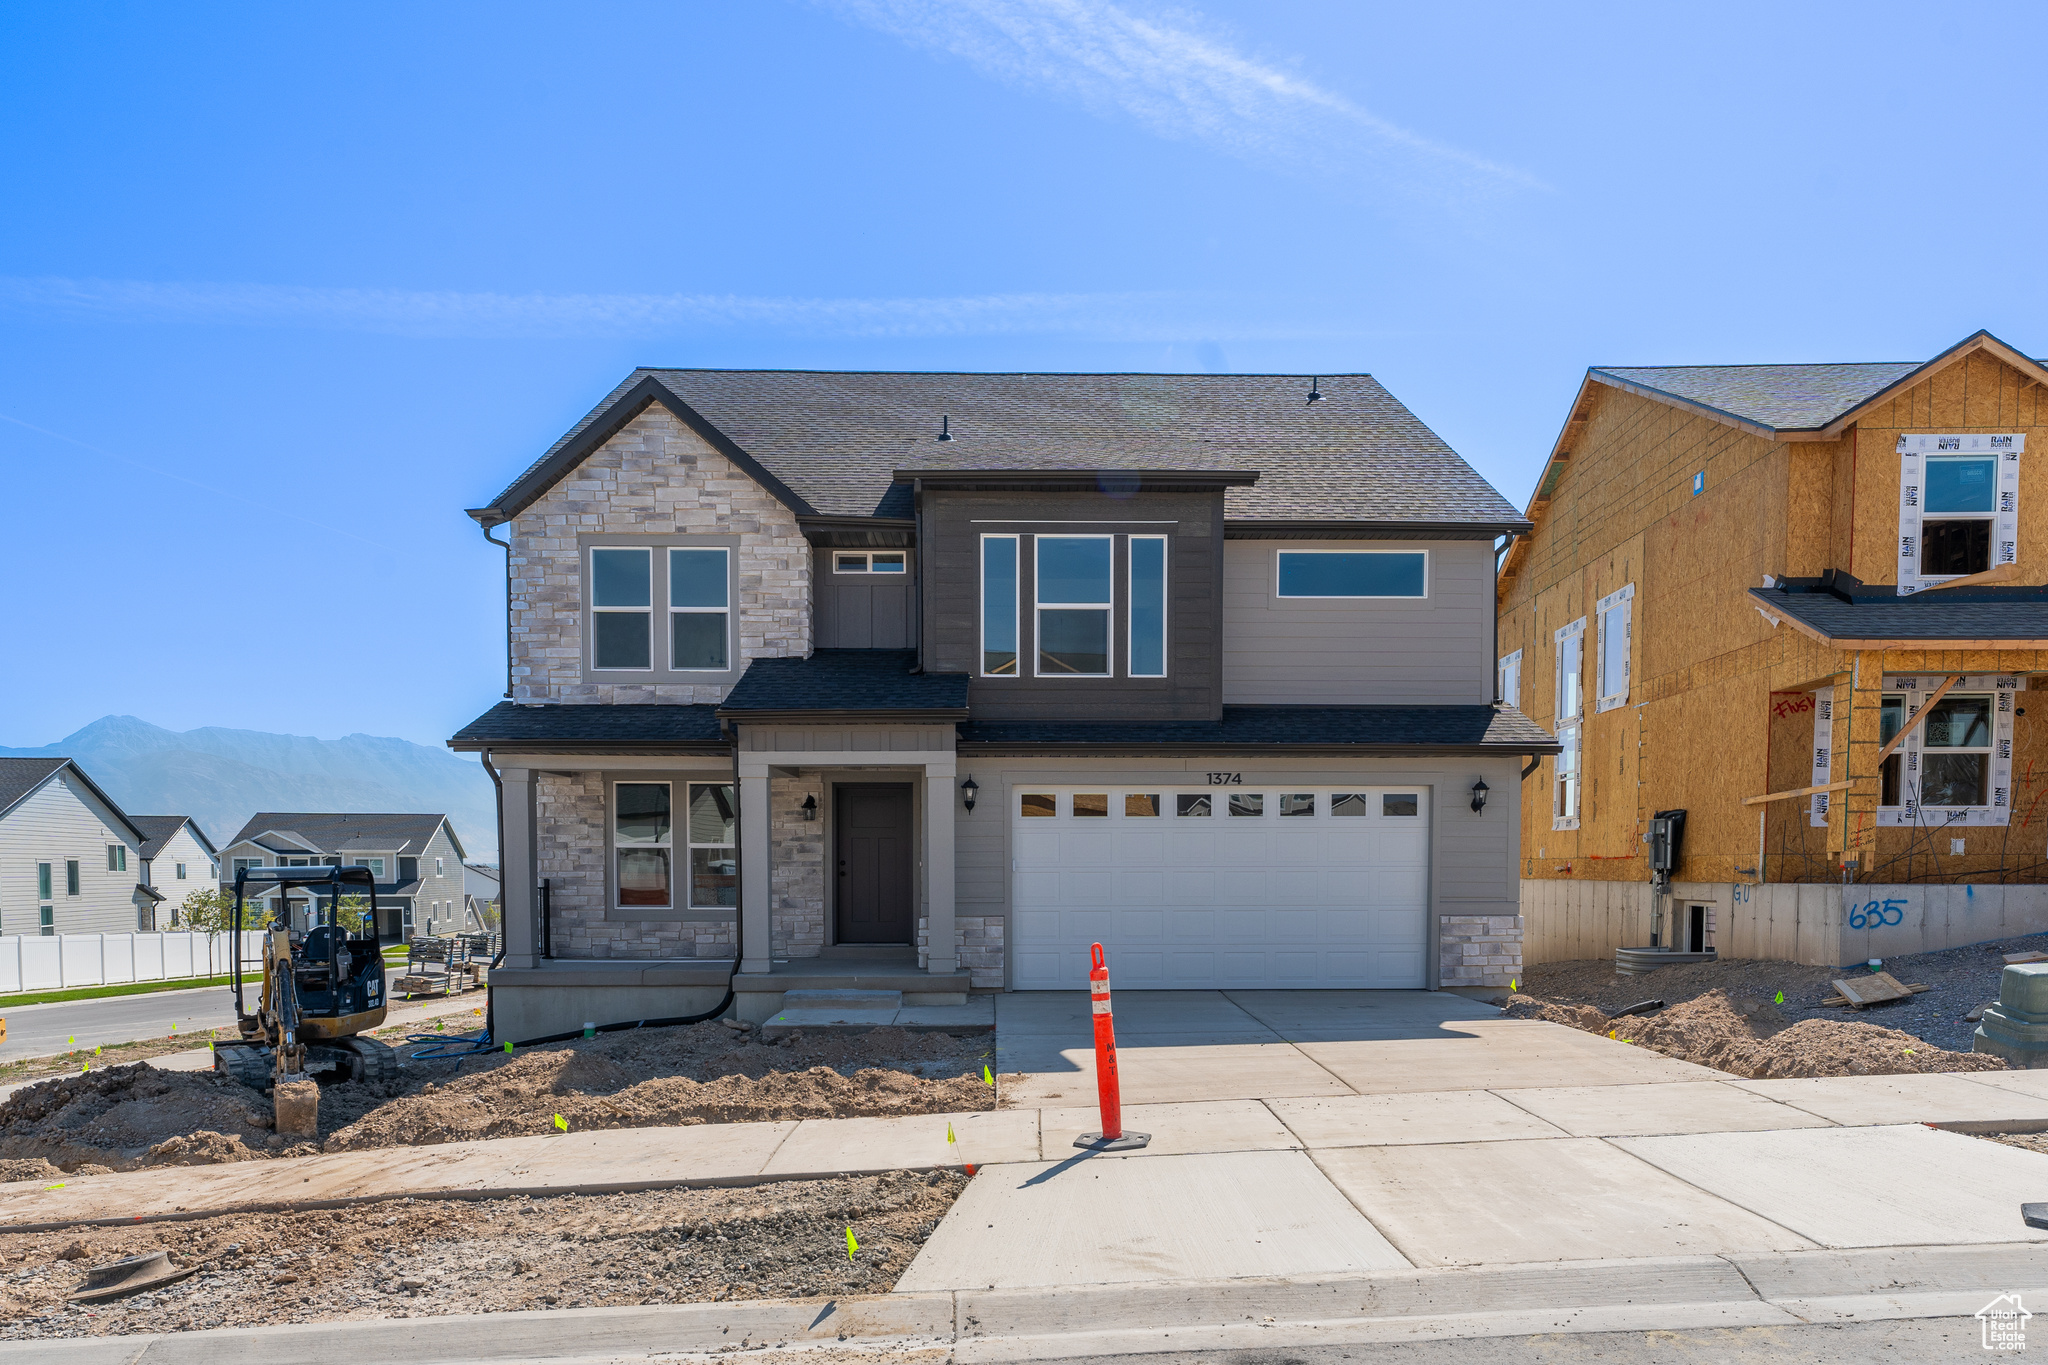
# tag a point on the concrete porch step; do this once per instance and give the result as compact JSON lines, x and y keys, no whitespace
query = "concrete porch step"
{"x":804,"y":1011}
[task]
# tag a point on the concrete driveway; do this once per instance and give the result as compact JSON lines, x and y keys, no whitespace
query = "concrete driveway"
{"x":1179,"y":1046}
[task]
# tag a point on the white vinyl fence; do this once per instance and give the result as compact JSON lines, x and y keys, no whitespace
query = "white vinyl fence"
{"x":60,"y":961}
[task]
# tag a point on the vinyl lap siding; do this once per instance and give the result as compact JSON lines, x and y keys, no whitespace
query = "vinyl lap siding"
{"x":59,"y":822}
{"x":1324,"y":652}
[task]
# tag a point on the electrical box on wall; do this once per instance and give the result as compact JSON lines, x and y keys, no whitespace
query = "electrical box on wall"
{"x":1667,"y":833}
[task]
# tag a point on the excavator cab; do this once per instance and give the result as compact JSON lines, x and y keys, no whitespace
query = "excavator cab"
{"x":322,"y":989}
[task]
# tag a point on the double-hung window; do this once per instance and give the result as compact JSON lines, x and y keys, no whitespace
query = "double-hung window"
{"x":1148,"y":607}
{"x":699,"y":609}
{"x":1959,"y":501}
{"x":1352,"y":573}
{"x":999,"y":606}
{"x":643,"y":833}
{"x":1571,"y":711}
{"x":714,"y":850}
{"x":1074,"y":596}
{"x":1616,"y":629}
{"x":622,"y":609}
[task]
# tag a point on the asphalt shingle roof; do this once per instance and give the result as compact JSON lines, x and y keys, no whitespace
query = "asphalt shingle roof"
{"x":1933,"y":616}
{"x":158,"y":830}
{"x":1783,"y":397}
{"x":846,"y":680}
{"x":1461,"y":728}
{"x":20,"y":776}
{"x":836,"y":438}
{"x":508,"y":725}
{"x":343,"y":833}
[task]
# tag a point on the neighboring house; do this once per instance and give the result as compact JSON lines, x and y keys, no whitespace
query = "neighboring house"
{"x":70,"y":860}
{"x":925,"y":682}
{"x":1750,"y":581}
{"x":177,"y":859}
{"x":415,"y":859}
{"x":480,"y":894}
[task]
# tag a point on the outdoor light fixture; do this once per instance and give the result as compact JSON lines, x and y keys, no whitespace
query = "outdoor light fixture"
{"x":1479,"y":796}
{"x":810,"y":807}
{"x":1315,"y":390}
{"x":967,"y":791}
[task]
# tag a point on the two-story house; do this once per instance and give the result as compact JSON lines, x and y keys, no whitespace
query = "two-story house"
{"x":415,"y":859}
{"x":177,"y":859}
{"x":73,"y":862}
{"x":1800,"y":604}
{"x":926,"y":682}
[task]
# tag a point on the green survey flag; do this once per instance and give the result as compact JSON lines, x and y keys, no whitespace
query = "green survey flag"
{"x":986,"y":1078}
{"x":851,"y":1245}
{"x":1778,"y":999}
{"x":561,"y":1123}
{"x":950,"y":1139}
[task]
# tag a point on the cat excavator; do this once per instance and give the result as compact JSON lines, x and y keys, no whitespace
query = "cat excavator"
{"x":322,"y":991}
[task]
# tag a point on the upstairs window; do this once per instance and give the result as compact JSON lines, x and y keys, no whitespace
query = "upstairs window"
{"x":699,"y":609}
{"x":181,"y":872}
{"x":1958,"y":506}
{"x":376,"y":866}
{"x":1571,"y":711}
{"x":42,"y":881}
{"x":622,"y":609}
{"x":1353,"y":573}
{"x":870,"y":561}
{"x":1511,"y":679}
{"x":1148,"y":607}
{"x":1075,"y":595}
{"x":239,"y":864}
{"x":117,"y":857}
{"x":1614,"y":612}
{"x":999,"y":606}
{"x":71,"y":876}
{"x":1961,"y":498}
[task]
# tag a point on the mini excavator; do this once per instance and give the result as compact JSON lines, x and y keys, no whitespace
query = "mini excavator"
{"x":323,"y":990}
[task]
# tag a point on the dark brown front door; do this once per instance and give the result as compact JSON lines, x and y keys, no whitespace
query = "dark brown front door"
{"x":875,"y":883}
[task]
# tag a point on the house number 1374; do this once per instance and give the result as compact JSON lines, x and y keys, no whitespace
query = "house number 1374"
{"x":1226,"y":779}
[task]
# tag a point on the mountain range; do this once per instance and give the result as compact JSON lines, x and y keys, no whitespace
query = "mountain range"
{"x":222,"y":777}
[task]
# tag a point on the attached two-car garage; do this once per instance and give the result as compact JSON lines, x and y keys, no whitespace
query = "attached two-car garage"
{"x":1220,"y":886}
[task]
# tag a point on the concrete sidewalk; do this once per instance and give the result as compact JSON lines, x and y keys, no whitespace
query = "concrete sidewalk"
{"x":1371,"y":1308}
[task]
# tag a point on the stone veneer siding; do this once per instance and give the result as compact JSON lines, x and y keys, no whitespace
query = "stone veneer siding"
{"x":569,"y":848}
{"x":796,"y":905}
{"x":655,"y":477}
{"x":980,"y":942}
{"x":1480,"y":950}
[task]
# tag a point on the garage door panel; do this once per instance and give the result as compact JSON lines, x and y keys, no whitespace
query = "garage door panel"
{"x":1191,"y":902}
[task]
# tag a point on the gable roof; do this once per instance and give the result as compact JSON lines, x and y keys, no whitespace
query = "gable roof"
{"x":22,"y":777}
{"x":158,"y":830}
{"x":829,"y":444}
{"x":350,"y":832}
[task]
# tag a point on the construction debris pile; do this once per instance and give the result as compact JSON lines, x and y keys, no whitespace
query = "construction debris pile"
{"x":419,"y":1258}
{"x":135,"y":1116}
{"x":1755,"y":1040}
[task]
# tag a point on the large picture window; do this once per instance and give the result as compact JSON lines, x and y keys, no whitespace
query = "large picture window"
{"x":621,"y":609}
{"x":1352,"y":573}
{"x":1074,"y":600}
{"x":699,"y":610}
{"x":643,"y":834}
{"x":1148,"y":607}
{"x":714,"y":851}
{"x":999,"y":606}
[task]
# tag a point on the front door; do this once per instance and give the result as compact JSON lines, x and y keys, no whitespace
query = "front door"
{"x":876,"y":888}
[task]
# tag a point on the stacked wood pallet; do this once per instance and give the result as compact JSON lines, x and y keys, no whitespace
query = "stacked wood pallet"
{"x":1875,"y":989}
{"x":435,"y":966}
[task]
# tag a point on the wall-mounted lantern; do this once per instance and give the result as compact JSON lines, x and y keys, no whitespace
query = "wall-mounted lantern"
{"x":967,"y":791}
{"x":810,"y":807}
{"x":1479,"y":790}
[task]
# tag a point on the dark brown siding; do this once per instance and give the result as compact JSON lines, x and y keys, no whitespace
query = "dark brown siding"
{"x":1193,"y":522}
{"x":863,"y":611}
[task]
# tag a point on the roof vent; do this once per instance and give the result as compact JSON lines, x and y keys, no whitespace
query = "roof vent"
{"x":1315,"y":392}
{"x":945,"y":428}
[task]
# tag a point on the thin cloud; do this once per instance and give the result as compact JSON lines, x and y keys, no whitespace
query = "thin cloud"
{"x":1180,"y":84}
{"x":1158,"y":316}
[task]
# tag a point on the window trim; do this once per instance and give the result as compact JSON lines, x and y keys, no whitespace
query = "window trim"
{"x":672,"y":611}
{"x":1620,"y":602}
{"x":1131,"y":605}
{"x":1038,"y":608}
{"x":1016,"y":604}
{"x":1567,"y":787}
{"x":660,"y":651}
{"x":690,"y":846}
{"x":1423,"y":596}
{"x":1915,"y":449}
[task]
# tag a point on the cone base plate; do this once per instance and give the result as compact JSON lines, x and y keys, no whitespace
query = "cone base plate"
{"x":1129,"y":1142}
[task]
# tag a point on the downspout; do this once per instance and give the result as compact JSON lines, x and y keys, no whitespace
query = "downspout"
{"x":506,"y":546}
{"x":504,"y":939}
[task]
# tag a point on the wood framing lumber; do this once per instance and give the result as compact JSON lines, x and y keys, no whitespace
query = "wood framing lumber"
{"x":1799,"y":791}
{"x":1900,"y":738}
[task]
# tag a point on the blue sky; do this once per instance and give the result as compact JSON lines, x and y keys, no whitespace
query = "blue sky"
{"x":284,"y":288}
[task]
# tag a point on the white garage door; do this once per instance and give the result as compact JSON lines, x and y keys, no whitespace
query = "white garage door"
{"x":1240,"y":886}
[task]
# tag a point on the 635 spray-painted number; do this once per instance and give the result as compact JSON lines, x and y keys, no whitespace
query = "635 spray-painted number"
{"x":1871,"y":915}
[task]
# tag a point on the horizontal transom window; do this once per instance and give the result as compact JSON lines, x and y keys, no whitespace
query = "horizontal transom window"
{"x":869,"y":561}
{"x":1353,"y":573}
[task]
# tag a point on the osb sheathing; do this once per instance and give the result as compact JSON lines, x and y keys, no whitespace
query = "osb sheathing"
{"x":1707,"y":724}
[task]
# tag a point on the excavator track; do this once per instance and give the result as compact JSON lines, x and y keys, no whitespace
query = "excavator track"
{"x":374,"y":1061}
{"x":249,"y":1065}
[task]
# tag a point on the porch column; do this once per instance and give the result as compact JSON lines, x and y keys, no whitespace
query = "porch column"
{"x":754,"y":874}
{"x":521,"y":908}
{"x":942,"y":952}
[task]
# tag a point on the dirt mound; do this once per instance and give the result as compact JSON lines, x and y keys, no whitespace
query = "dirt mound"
{"x":133,"y":1116}
{"x":676,"y":1077}
{"x":1752,"y":1039}
{"x":118,"y":1118}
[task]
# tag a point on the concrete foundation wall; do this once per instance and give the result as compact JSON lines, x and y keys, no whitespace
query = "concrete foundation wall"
{"x":526,"y":1012}
{"x":1819,"y":925}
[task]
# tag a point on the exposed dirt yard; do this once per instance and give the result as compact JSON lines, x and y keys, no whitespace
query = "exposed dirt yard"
{"x":133,"y":1116}
{"x":419,"y":1258}
{"x":1725,"y":1015}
